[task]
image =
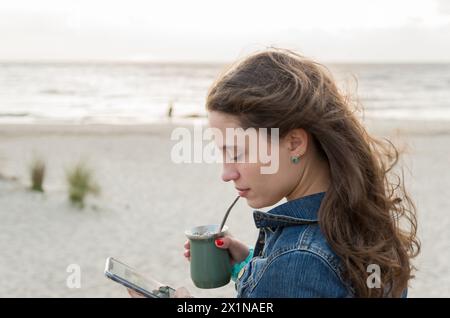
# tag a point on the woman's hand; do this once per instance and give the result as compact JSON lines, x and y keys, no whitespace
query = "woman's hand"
{"x":135,"y":294}
{"x":181,"y":292}
{"x":238,"y":250}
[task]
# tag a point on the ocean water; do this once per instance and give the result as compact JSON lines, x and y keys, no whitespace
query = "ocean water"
{"x":133,"y":93}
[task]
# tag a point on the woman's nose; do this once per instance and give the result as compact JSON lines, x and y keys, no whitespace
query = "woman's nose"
{"x":229,"y":173}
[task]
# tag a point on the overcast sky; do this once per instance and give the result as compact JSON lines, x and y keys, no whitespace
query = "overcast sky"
{"x":209,"y":31}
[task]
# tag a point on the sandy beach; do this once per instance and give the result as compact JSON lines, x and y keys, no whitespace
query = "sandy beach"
{"x":147,"y":202}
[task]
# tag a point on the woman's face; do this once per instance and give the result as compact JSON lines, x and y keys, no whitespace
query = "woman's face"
{"x":260,"y":189}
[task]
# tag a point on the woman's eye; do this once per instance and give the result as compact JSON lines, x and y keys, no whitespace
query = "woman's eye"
{"x":231,"y":155}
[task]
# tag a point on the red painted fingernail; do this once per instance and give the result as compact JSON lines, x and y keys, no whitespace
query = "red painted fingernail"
{"x":219,"y":242}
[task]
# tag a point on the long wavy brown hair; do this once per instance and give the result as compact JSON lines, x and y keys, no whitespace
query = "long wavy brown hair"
{"x":366,"y":215}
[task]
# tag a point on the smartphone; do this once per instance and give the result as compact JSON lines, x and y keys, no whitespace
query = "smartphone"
{"x":127,"y":276}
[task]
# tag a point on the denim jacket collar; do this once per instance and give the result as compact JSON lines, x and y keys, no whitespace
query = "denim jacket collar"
{"x":299,"y":211}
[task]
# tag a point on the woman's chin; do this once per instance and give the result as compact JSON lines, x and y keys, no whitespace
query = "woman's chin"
{"x":254,"y":204}
{"x":263,"y":202}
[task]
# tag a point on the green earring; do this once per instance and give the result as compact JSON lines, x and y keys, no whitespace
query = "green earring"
{"x":295,"y":159}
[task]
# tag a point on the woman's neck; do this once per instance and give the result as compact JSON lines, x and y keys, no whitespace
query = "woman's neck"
{"x":315,"y":178}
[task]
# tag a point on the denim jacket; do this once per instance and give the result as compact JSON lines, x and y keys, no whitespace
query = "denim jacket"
{"x":292,"y":257}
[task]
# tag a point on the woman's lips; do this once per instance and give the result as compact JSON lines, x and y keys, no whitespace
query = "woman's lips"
{"x":243,"y":192}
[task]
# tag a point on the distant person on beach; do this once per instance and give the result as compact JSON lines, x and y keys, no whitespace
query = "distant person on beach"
{"x":348,"y":228}
{"x":170,"y":110}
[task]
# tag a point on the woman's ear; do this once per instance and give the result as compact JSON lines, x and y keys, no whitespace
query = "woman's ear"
{"x":297,"y":140}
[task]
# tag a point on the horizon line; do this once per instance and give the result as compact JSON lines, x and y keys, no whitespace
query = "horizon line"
{"x":199,"y":62}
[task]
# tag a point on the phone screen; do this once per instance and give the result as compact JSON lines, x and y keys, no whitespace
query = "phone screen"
{"x":127,"y":276}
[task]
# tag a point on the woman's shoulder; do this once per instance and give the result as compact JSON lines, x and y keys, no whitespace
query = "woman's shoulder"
{"x":309,"y":240}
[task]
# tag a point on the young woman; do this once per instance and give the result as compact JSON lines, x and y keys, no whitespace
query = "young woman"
{"x":346,"y":230}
